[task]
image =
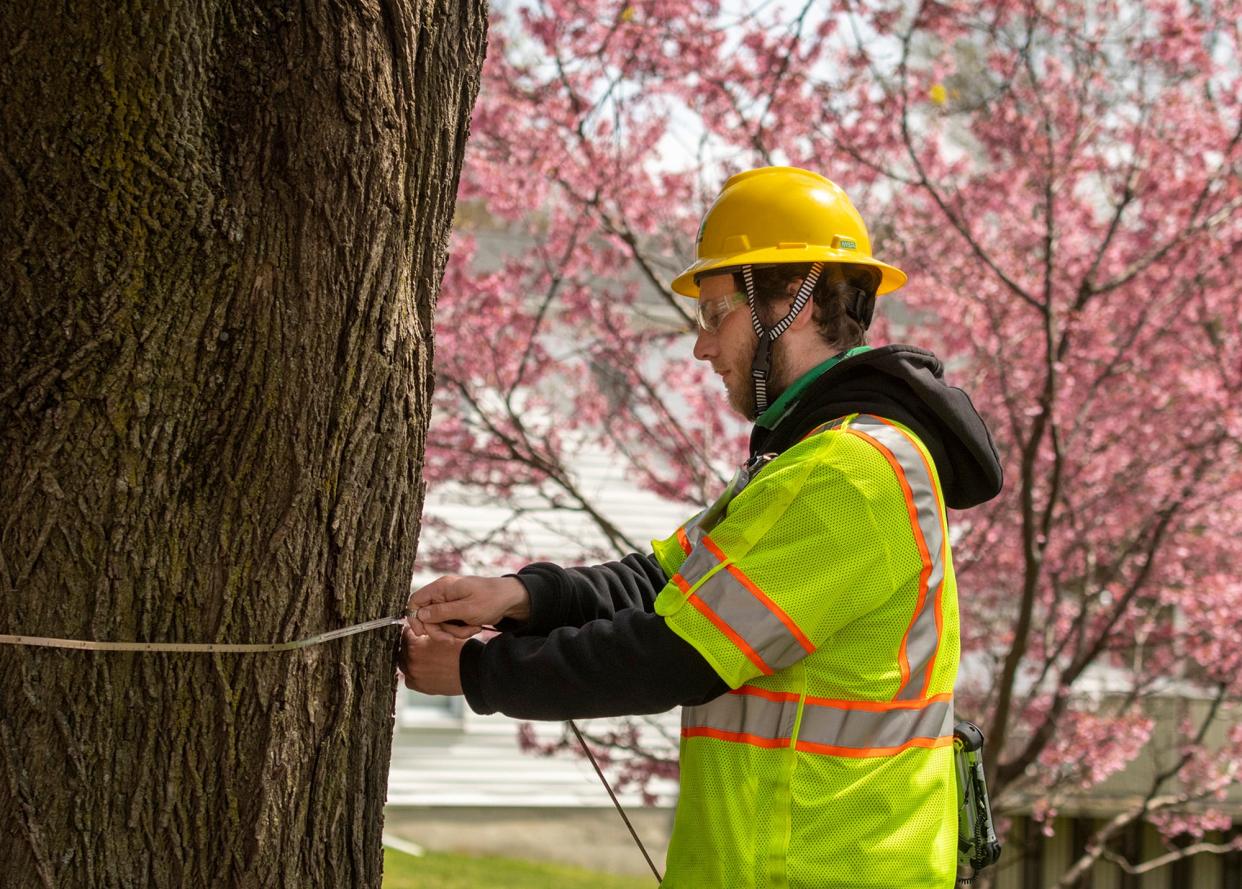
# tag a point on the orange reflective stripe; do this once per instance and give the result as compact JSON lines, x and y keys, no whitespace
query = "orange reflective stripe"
{"x":763,"y":597}
{"x":742,"y":645}
{"x":698,"y":564}
{"x":779,"y":696}
{"x":751,"y":715}
{"x":824,"y":427}
{"x":902,"y":657}
{"x":749,"y":618}
{"x":863,"y":752}
{"x":840,"y":704}
{"x":738,"y":737}
{"x":875,"y":729}
{"x":920,"y":643}
{"x":882,"y":706}
{"x":684,"y":541}
{"x":938,"y":595}
{"x":937,"y":601}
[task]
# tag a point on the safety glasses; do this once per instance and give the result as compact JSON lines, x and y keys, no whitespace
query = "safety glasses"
{"x":712,"y":312}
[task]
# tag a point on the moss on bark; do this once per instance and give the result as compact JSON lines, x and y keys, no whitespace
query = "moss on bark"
{"x":222,"y":226}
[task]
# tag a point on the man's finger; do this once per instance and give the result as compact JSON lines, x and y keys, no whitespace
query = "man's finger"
{"x":439,"y":590}
{"x":442,"y":612}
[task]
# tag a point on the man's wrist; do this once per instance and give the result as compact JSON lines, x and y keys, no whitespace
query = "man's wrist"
{"x":519,"y":600}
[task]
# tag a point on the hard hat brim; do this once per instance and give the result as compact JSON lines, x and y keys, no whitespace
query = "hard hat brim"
{"x":891,"y":277}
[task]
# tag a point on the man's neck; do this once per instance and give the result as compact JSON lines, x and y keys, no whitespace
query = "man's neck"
{"x":801,"y":360}
{"x":794,"y":381}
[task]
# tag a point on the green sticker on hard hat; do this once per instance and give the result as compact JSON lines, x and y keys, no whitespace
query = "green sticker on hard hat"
{"x":840,"y":243}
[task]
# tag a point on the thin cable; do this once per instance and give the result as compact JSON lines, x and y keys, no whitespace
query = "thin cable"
{"x":615,"y":801}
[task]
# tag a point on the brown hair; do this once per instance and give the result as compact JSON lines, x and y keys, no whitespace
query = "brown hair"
{"x":843,"y":299}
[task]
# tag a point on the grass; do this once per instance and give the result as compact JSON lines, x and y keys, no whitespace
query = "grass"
{"x":441,"y":870}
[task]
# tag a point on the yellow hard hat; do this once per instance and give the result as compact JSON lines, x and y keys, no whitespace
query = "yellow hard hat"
{"x":779,"y":215}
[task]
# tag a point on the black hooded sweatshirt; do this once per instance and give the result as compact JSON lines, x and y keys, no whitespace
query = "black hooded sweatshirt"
{"x":594,"y":647}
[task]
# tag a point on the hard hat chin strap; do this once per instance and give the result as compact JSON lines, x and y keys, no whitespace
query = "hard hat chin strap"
{"x":761,"y":364}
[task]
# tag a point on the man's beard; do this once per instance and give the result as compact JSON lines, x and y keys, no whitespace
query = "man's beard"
{"x":742,"y":392}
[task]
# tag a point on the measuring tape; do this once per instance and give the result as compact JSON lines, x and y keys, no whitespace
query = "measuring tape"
{"x":201,"y":647}
{"x":256,"y":647}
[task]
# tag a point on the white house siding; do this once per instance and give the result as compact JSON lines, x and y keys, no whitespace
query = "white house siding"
{"x":477,"y":763}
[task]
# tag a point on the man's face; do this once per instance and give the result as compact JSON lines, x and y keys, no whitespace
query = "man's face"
{"x":731,"y":347}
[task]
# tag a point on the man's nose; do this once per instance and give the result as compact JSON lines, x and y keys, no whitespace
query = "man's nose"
{"x":704,"y":345}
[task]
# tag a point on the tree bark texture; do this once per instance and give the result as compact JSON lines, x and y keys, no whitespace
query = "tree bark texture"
{"x":223,"y":225}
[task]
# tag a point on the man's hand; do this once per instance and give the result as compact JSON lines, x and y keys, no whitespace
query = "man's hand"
{"x":430,"y":665}
{"x":473,"y":602}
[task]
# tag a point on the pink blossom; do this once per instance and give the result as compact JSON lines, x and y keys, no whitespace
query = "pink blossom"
{"x":1069,"y":219}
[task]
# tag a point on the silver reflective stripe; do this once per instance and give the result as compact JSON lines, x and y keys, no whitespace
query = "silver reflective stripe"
{"x":923,"y":636}
{"x":756,"y":621}
{"x":831,"y":424}
{"x":694,"y":529}
{"x":744,"y":714}
{"x":847,"y":728}
{"x":766,"y":635}
{"x":697,"y":565}
{"x":868,"y":729}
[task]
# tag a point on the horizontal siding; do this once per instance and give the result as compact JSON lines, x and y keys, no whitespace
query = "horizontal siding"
{"x":479,"y":763}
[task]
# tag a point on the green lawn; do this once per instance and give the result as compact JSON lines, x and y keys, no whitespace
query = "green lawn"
{"x":439,"y":870}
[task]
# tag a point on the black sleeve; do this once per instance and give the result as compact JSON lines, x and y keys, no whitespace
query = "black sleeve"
{"x":571,"y":597}
{"x":626,"y":666}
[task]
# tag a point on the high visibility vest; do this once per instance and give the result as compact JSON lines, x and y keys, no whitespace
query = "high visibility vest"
{"x":822,"y":591}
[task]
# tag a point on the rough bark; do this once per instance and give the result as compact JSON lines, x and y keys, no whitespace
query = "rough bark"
{"x":222,"y":225}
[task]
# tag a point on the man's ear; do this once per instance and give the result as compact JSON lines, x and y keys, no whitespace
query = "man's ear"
{"x":791,"y":293}
{"x":804,"y":317}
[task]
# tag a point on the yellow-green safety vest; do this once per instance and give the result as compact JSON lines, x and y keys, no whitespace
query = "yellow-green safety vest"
{"x":822,"y":592}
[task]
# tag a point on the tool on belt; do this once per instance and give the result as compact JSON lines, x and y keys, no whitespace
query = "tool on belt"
{"x":977,"y":846}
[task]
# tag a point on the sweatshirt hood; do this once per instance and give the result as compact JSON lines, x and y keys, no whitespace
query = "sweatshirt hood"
{"x":905,"y":384}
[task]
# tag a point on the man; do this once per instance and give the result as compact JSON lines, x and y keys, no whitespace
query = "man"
{"x":806,"y":621}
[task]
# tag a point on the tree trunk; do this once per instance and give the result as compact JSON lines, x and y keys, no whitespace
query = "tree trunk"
{"x":222,"y":228}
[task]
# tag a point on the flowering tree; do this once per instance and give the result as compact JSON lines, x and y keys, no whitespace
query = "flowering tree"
{"x":1060,"y":179}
